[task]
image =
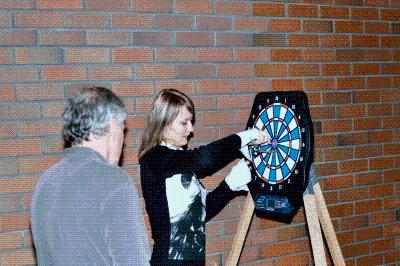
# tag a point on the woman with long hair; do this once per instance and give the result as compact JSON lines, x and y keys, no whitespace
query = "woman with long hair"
{"x":176,"y":202}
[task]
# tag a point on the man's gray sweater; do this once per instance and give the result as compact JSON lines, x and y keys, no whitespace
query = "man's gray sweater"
{"x":86,"y":212}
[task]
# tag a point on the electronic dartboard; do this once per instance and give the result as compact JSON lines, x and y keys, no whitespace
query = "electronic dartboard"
{"x":280,"y":169}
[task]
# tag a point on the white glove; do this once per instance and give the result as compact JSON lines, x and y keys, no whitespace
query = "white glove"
{"x":248,"y":136}
{"x":239,"y":176}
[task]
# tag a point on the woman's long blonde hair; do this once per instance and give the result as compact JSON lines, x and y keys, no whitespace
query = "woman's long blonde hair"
{"x":165,"y":108}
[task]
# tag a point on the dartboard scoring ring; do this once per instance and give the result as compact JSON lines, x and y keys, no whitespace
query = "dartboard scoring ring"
{"x":276,"y":161}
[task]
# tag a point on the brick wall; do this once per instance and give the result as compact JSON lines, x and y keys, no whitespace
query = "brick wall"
{"x":343,"y":53}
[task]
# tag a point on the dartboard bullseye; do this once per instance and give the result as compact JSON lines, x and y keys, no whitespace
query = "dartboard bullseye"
{"x":280,"y":168}
{"x":275,"y":162}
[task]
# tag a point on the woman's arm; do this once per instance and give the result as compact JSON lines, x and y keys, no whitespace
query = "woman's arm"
{"x":202,"y":161}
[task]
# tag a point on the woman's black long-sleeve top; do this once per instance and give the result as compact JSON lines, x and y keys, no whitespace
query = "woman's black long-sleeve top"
{"x":177,"y":203}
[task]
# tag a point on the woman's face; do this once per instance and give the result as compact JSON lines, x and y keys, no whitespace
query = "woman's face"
{"x":177,"y":134}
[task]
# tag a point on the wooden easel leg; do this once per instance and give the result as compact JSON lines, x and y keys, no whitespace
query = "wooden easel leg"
{"x":327,"y":227}
{"x":317,"y":242}
{"x":241,"y":232}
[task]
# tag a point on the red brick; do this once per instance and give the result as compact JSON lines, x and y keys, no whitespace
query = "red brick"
{"x":349,"y":26}
{"x":185,"y":86}
{"x":268,"y":70}
{"x":350,"y":55}
{"x":60,"y":4}
{"x":353,"y":166}
{"x":40,"y":92}
{"x":6,"y":20}
{"x":367,"y":123}
{"x":78,"y":20}
{"x":18,"y":185}
{"x":269,"y":40}
{"x":250,"y":55}
{"x":338,"y":154}
{"x":108,"y":38}
{"x":40,"y":128}
{"x":335,"y":40}
{"x":37,"y":164}
{"x":341,"y":210}
{"x":335,"y":12}
{"x":287,"y":84}
{"x":331,"y":126}
{"x":368,"y":206}
{"x":284,"y":55}
{"x":352,"y":111}
{"x":233,"y":39}
{"x":365,"y":41}
{"x":111,"y":72}
{"x":132,"y":21}
{"x":307,"y":11}
{"x":214,"y":55}
{"x":235,"y":102}
{"x":253,"y":85}
{"x":152,"y":38}
{"x":319,"y":55}
{"x":132,"y":55}
{"x":200,"y":6}
{"x":10,"y":241}
{"x":390,"y":41}
{"x":391,"y":230}
{"x":370,"y":260}
{"x":152,"y":5}
{"x":317,"y":26}
{"x":320,"y":84}
{"x":339,"y":181}
{"x":351,"y":83}
{"x":390,"y":14}
{"x":378,"y":55}
{"x":322,"y":113}
{"x":7,"y":94}
{"x":380,"y":136}
{"x":382,"y":245}
{"x":352,"y":138}
{"x":364,"y":13}
{"x":214,"y":118}
{"x":379,"y":82}
{"x":368,"y":233}
{"x":233,"y":8}
{"x":64,"y":73}
{"x":17,"y":37}
{"x":382,"y":217}
{"x":194,"y":39}
{"x":196,"y":71}
{"x":379,"y":109}
{"x":303,"y":40}
{"x":133,"y":89}
{"x":8,"y":131}
{"x":303,"y":70}
{"x":38,"y":56}
{"x":352,"y":223}
{"x":18,"y":74}
{"x":20,"y":257}
{"x":336,"y":98}
{"x":335,"y":69}
{"x":250,"y":24}
{"x":87,"y":55}
{"x":108,"y":5}
{"x":281,"y":249}
{"x":377,"y":28}
{"x":155,"y":71}
{"x":38,"y":20}
{"x":174,"y":22}
{"x":234,"y":70}
{"x":390,"y":95}
{"x":6,"y":56}
{"x":17,"y":4}
{"x":212,"y":23}
{"x":20,"y":147}
{"x":368,"y":151}
{"x":20,"y":111}
{"x":284,"y":25}
{"x":268,"y":9}
{"x":215,"y":86}
{"x":65,"y":38}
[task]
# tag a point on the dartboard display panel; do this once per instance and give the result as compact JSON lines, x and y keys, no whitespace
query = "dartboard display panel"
{"x":280,"y":168}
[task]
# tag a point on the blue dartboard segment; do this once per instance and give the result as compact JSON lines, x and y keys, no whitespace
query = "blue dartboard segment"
{"x":275,"y":162}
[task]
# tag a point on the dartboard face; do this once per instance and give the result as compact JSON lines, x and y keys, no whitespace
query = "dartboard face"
{"x":275,"y":162}
{"x":280,"y":168}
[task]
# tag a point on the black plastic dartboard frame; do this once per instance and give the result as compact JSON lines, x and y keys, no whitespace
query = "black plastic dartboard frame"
{"x":290,"y":190}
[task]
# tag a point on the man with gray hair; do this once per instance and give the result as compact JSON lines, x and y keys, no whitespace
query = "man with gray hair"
{"x":85,"y":209}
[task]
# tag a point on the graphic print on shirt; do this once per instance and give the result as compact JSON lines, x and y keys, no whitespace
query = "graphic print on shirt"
{"x":186,"y":203}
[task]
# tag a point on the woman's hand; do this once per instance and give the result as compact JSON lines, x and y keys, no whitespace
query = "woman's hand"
{"x":253,"y":136}
{"x":261,"y":138}
{"x":239,"y":176}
